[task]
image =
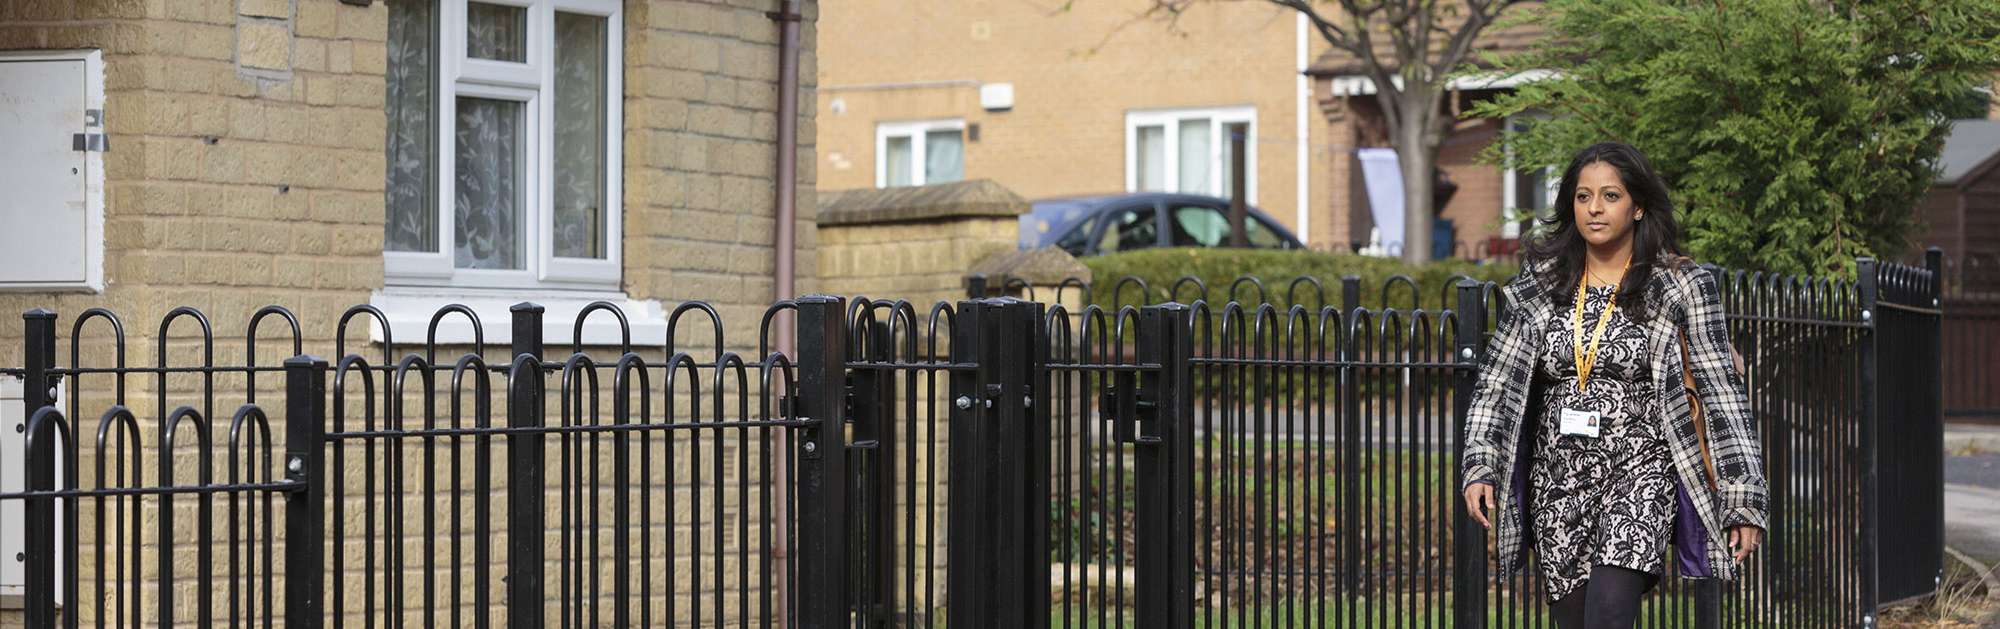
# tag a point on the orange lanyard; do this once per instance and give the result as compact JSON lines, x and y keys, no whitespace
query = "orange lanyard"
{"x":1588,"y":358}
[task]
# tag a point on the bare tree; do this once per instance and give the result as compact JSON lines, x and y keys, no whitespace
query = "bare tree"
{"x":1427,"y":40}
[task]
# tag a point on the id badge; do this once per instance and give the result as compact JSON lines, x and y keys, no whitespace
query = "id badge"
{"x":1581,"y":423}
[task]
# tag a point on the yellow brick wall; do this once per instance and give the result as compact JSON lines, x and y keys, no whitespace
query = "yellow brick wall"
{"x":1076,"y":71}
{"x":700,"y":155}
{"x":240,"y":144}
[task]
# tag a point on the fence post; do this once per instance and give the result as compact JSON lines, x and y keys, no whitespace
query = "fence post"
{"x":525,"y":409}
{"x":1469,"y":578}
{"x":975,"y":286}
{"x":305,"y":509}
{"x":822,"y":463}
{"x":1165,"y":468}
{"x":987,"y":524}
{"x":1934,"y":369}
{"x":1350,"y":294}
{"x":1867,"y":288}
{"x":968,"y":584}
{"x":1037,"y":488}
{"x":38,"y":391}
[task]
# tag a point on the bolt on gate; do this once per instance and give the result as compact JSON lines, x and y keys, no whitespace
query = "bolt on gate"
{"x":990,"y":463}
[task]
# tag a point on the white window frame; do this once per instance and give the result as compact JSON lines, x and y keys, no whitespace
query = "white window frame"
{"x":915,"y":130}
{"x":1219,"y":120}
{"x":531,"y":82}
{"x":1509,"y":187}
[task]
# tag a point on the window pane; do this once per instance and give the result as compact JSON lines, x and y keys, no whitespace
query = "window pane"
{"x":411,"y":198}
{"x":1260,"y":235}
{"x":898,"y":161}
{"x":1228,"y":162}
{"x":488,"y":184}
{"x":580,"y":136}
{"x":496,"y":31}
{"x":1194,"y":142}
{"x":944,"y":156}
{"x":1129,"y":230}
{"x":1198,"y":226}
{"x":1152,"y":158}
{"x":1531,"y":186}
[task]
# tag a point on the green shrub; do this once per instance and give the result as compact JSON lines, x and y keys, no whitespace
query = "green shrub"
{"x":1219,"y":268}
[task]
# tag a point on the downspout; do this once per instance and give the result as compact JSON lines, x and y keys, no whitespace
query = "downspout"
{"x":787,"y":16}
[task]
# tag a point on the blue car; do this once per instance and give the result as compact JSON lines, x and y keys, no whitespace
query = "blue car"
{"x":1092,"y":225}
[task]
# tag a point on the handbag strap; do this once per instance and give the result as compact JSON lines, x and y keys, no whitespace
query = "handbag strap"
{"x":1694,"y":408}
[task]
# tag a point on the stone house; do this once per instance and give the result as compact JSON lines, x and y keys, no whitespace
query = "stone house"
{"x":325,"y":153}
{"x":404,"y":154}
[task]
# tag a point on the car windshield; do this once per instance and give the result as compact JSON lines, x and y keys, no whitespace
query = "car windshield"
{"x":1050,"y":220}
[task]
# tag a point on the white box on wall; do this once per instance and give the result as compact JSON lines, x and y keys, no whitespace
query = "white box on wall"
{"x":52,"y":167}
{"x":14,"y":513}
{"x":996,"y":96}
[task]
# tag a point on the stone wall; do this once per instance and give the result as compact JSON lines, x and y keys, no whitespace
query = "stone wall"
{"x":914,"y":243}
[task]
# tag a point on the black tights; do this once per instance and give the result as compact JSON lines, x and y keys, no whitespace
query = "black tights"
{"x":1608,"y":600}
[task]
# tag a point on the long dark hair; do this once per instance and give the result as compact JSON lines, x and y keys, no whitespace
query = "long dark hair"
{"x":1559,"y":241}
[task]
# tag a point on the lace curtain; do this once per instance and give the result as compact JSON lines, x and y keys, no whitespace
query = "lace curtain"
{"x":496,"y":31}
{"x":579,"y":136}
{"x":411,"y":223}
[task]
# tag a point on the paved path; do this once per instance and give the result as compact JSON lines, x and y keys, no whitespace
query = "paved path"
{"x":1972,"y":494}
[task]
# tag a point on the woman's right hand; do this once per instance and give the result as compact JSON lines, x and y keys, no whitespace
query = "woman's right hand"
{"x":1479,"y":501}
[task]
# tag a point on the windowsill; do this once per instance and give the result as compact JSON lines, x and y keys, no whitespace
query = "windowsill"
{"x":410,"y":308}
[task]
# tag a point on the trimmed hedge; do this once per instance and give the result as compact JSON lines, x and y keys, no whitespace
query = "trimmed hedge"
{"x":1219,"y":268}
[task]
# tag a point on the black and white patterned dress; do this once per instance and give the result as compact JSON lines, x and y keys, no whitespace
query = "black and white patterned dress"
{"x":1607,"y":500}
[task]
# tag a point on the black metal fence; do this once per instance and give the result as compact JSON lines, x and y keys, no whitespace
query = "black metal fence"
{"x":991,"y":463}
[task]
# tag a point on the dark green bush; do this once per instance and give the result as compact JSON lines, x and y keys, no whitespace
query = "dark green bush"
{"x":1218,"y":269}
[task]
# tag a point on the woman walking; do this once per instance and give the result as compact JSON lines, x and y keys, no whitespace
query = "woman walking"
{"x":1608,"y":421}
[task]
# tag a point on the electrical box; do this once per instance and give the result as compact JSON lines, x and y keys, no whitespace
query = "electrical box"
{"x":52,"y":144}
{"x":14,"y":513}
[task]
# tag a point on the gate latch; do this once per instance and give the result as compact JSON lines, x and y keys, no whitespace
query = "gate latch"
{"x":1126,"y":404}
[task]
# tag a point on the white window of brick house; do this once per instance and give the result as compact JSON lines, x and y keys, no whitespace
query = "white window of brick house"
{"x":1188,"y":150}
{"x":1524,"y":189}
{"x":503,"y":144}
{"x":919,"y":152}
{"x":503,"y":166}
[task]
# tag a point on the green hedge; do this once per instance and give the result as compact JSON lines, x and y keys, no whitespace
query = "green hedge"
{"x":1219,"y":268}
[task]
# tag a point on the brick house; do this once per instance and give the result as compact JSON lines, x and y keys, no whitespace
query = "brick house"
{"x":1089,"y":99}
{"x":1098,"y":97}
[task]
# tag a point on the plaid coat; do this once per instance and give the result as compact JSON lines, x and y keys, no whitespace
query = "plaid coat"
{"x":1501,"y":410}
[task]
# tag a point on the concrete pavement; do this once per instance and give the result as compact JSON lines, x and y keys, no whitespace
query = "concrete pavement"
{"x":1972,"y":495}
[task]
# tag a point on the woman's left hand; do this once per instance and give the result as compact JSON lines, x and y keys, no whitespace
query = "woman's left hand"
{"x":1744,"y":539}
